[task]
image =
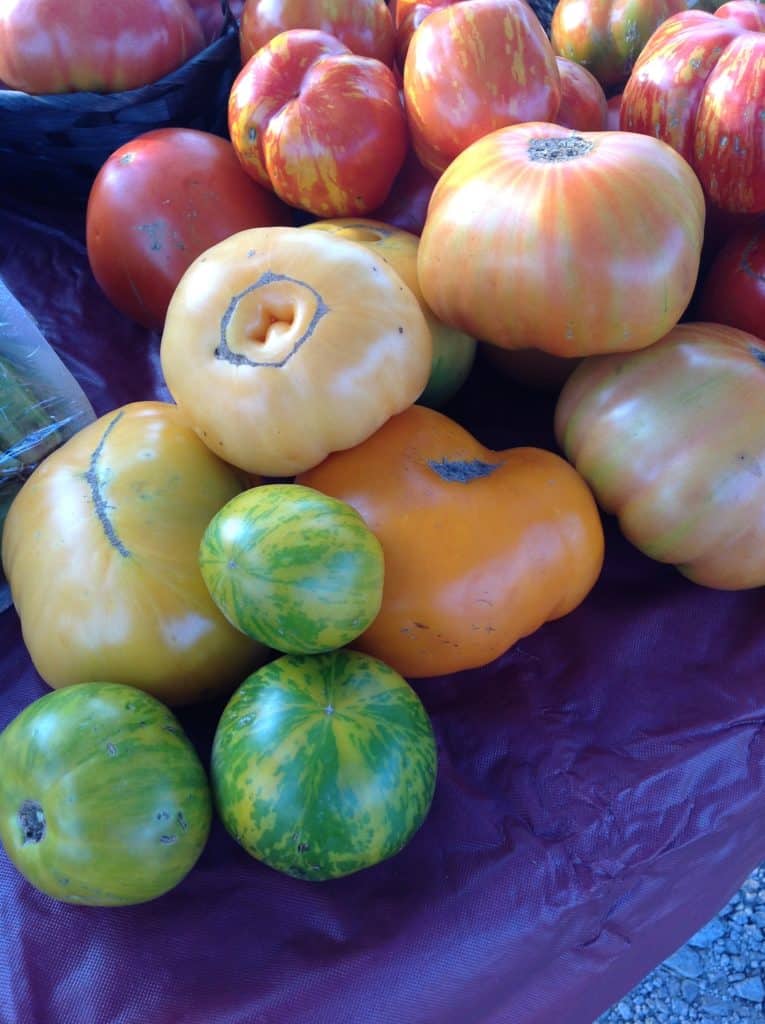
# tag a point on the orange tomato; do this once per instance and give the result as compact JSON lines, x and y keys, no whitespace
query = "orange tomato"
{"x":481,"y":547}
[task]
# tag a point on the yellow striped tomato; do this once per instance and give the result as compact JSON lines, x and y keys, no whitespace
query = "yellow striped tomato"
{"x":539,"y":237}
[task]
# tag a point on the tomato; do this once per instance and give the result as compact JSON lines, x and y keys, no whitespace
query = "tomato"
{"x":530,"y":366}
{"x":324,"y":764}
{"x":100,"y":548}
{"x":502,"y":71}
{"x":407,"y":202}
{"x":453,"y":351}
{"x":583,"y":104}
{"x":55,"y":46}
{"x":481,"y":547}
{"x":733,"y":288}
{"x":617,"y":271}
{"x":321,"y":126}
{"x":364,"y":26}
{"x":293,"y":568}
{"x":103,"y":799}
{"x":282,"y":345}
{"x":670,"y":439}
{"x":606,"y":36}
{"x":699,"y":85}
{"x":156,"y":204}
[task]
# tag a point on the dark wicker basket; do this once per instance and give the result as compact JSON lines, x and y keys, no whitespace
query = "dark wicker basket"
{"x":52,"y":146}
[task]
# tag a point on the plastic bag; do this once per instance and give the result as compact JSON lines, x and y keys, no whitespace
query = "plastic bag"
{"x":41,"y":404}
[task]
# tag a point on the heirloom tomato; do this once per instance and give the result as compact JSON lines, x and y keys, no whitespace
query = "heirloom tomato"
{"x":282,"y":345}
{"x":55,"y":46}
{"x":572,"y":243}
{"x":583,"y":104}
{"x":501,"y":71}
{"x":103,"y":799}
{"x":324,"y":764}
{"x":606,"y":36}
{"x":156,"y":204}
{"x":699,"y":85}
{"x":670,"y":439}
{"x":481,"y":547}
{"x":733,"y":289}
{"x":293,"y":568}
{"x":364,"y":26}
{"x":100,"y":548}
{"x":321,"y":126}
{"x":453,"y":351}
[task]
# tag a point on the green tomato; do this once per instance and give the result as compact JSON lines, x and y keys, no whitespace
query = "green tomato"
{"x":296,"y":569}
{"x":103,"y":799}
{"x":323,"y":764}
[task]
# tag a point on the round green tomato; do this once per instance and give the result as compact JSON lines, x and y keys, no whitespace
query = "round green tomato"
{"x":323,"y":764}
{"x":453,"y":358}
{"x":103,"y":799}
{"x":296,"y":569}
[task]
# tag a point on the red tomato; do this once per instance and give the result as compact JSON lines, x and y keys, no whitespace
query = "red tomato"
{"x":156,"y":204}
{"x":407,"y":202}
{"x":364,"y":26}
{"x":612,"y":115}
{"x":583,"y":104}
{"x":96,"y":46}
{"x":733,"y":289}
{"x":699,"y":84}
{"x":321,"y":126}
{"x":501,"y":71}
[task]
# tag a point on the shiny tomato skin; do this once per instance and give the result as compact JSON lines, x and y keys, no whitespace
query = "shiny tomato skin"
{"x":364,"y":26}
{"x":321,"y":126}
{"x":583,"y":105}
{"x":96,"y":46}
{"x":156,"y":204}
{"x":733,"y":288}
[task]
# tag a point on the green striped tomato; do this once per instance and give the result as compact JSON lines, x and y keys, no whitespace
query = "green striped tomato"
{"x":103,"y":799}
{"x":323,"y":764}
{"x":296,"y":569}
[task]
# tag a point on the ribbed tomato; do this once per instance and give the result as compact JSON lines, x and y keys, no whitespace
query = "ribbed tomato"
{"x":699,"y":84}
{"x":539,"y":237}
{"x":671,"y":441}
{"x":293,"y":568}
{"x":324,"y":764}
{"x":103,"y":799}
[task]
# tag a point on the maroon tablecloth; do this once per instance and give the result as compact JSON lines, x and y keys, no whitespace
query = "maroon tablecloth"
{"x":600,"y":792}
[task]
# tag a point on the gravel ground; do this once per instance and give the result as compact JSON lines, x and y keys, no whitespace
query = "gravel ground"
{"x":717,"y":977}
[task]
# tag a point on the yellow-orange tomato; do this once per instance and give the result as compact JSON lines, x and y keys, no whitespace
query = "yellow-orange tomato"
{"x":100,"y":548}
{"x":481,"y":547}
{"x":283,"y":345}
{"x":453,"y":350}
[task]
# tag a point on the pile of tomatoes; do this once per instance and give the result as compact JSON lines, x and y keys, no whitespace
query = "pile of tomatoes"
{"x":320,"y":283}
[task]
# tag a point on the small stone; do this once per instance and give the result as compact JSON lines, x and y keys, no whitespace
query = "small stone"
{"x":624,"y":1010}
{"x":711,"y":931}
{"x":751,"y":989}
{"x":679,"y":1007}
{"x":685,"y":962}
{"x":715,"y":1007}
{"x":690,"y":990}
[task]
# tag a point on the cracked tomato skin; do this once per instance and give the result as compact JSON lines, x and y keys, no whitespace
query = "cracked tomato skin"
{"x":156,"y":204}
{"x":481,"y":547}
{"x":320,"y":125}
{"x":100,"y":548}
{"x":103,"y":798}
{"x":699,"y":85}
{"x":324,"y":764}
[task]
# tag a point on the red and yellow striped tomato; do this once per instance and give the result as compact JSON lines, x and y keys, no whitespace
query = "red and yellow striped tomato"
{"x":321,"y":126}
{"x":539,"y":237}
{"x":364,"y":26}
{"x":606,"y":36}
{"x":473,"y":67}
{"x":699,"y":84}
{"x":670,"y":439}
